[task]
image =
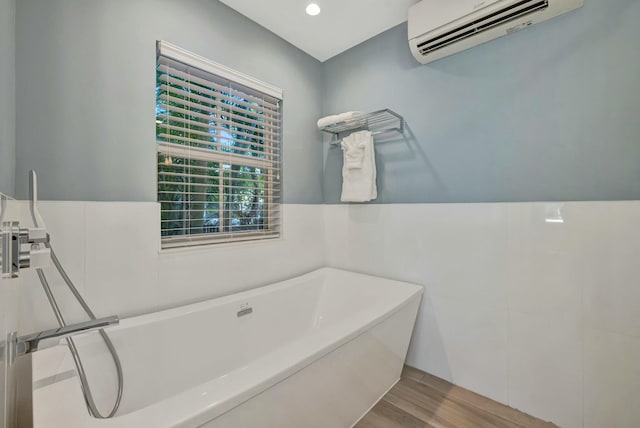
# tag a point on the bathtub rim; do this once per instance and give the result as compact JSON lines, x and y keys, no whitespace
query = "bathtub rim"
{"x":209,"y":303}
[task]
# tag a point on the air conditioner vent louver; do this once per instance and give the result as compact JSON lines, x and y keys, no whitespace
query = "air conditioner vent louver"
{"x":486,"y":22}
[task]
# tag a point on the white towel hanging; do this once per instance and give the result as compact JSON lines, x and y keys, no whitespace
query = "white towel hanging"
{"x":359,"y":168}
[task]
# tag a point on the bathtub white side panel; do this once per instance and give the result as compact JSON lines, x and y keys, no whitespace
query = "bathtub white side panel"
{"x":338,"y":389}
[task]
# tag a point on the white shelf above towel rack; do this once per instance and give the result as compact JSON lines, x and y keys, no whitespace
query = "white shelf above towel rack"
{"x":378,"y":122}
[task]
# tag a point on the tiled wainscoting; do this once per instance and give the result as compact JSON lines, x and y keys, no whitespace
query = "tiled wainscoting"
{"x":111,"y":250}
{"x":536,"y":305}
{"x":532,"y":304}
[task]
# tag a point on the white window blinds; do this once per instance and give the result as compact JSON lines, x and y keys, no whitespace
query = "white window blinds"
{"x":218,"y":141}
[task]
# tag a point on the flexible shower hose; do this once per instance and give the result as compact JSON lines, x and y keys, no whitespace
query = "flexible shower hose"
{"x":86,"y":390}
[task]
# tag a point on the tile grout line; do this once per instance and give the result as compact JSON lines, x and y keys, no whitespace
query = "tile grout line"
{"x":582,"y":354}
{"x":84,"y":249}
{"x":508,"y":252}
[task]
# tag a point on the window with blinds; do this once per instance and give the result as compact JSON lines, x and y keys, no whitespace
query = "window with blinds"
{"x":218,"y":136}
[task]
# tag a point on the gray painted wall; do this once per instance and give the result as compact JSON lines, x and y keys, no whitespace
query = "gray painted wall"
{"x":549,"y":113}
{"x":86,"y":85}
{"x":7,"y":96}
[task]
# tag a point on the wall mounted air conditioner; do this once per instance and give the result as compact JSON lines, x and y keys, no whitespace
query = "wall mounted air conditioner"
{"x":439,"y":28}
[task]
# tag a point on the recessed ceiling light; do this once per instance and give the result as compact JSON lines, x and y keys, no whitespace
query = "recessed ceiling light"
{"x":313,"y":9}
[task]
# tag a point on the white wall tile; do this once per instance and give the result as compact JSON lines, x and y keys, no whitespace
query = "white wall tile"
{"x":611,"y":242}
{"x":474,"y":338}
{"x":16,"y":211}
{"x":122,"y":244}
{"x":354,"y":237}
{"x":401,"y":243}
{"x":427,"y":350}
{"x":545,"y":366}
{"x":611,"y":380}
{"x":428,"y":244}
{"x":465,"y":345}
{"x":544,"y":260}
{"x":191,"y":275}
{"x":464,"y":251}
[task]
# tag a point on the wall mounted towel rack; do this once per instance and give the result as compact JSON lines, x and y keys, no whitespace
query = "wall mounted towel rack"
{"x":378,"y":122}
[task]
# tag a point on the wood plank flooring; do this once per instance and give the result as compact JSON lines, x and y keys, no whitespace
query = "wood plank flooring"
{"x":421,"y":400}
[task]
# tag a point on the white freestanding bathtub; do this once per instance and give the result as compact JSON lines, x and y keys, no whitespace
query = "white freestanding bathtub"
{"x":318,"y":350}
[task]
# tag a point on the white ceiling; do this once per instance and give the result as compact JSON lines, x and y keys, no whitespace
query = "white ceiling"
{"x":341,"y":25}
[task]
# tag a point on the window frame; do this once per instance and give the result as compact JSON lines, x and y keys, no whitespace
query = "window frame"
{"x":270,"y":162}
